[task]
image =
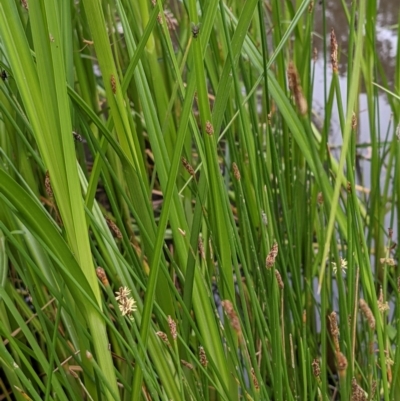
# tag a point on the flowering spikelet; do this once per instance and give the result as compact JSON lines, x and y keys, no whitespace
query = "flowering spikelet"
{"x":382,"y":305}
{"x":101,"y":274}
{"x":357,"y":393}
{"x":231,"y":313}
{"x":25,"y":4}
{"x":334,"y":330}
{"x":201,"y":248}
{"x":163,"y":337}
{"x":188,"y":167}
{"x":320,"y":198}
{"x":334,"y":48}
{"x":296,"y":89}
{"x":273,"y":253}
{"x":47,"y":185}
{"x":127,"y":305}
{"x":203,"y":357}
{"x":172,"y":22}
{"x":254,"y":378}
{"x":172,"y":328}
{"x":341,"y":362}
{"x":113,"y":227}
{"x":353,"y":121}
{"x":187,"y":364}
{"x":236,"y":171}
{"x":367,"y":313}
{"x":316,"y":368}
{"x":279,"y":279}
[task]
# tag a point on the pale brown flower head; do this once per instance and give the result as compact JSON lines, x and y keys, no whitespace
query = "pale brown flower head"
{"x":163,"y":337}
{"x":357,"y":393}
{"x":113,"y":82}
{"x":279,"y":279}
{"x":296,"y":89}
{"x":334,"y":54}
{"x":231,"y":313}
{"x":316,"y":368}
{"x":101,"y":274}
{"x":114,"y":228}
{"x":255,"y":380}
{"x":334,"y":329}
{"x":172,"y":328}
{"x":188,"y":167}
{"x":236,"y":171}
{"x":47,"y":185}
{"x":367,"y":313}
{"x":273,"y":253}
{"x":203,"y":357}
{"x":127,"y":305}
{"x":209,"y":128}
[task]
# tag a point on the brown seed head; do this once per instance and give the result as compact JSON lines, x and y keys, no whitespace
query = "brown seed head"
{"x":334,"y":48}
{"x":254,"y":378}
{"x":209,"y":128}
{"x":320,"y":198}
{"x":353,"y":121}
{"x":382,"y":305}
{"x":172,"y":22}
{"x":25,"y":4}
{"x":188,"y":167}
{"x":296,"y":89}
{"x":47,"y":185}
{"x":236,"y":171}
{"x":163,"y":337}
{"x":367,"y":313}
{"x":101,"y":274}
{"x":172,"y":328}
{"x":187,"y":364}
{"x":316,"y":368}
{"x":231,"y":313}
{"x":348,"y":187}
{"x":273,"y":253}
{"x":201,"y":248}
{"x":279,"y":279}
{"x":334,"y":330}
{"x":357,"y":393}
{"x":341,"y":362}
{"x":203,"y":357}
{"x":114,"y":229}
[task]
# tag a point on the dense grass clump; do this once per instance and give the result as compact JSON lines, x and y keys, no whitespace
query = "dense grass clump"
{"x":173,"y":223}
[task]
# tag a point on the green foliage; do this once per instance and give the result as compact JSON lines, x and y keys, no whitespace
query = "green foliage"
{"x":201,"y":241}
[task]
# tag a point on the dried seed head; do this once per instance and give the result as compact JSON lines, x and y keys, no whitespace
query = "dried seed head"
{"x":254,"y":378}
{"x":113,"y":82}
{"x":353,"y":121}
{"x":374,"y":385}
{"x":387,"y":261}
{"x":209,"y":128}
{"x":320,"y":198}
{"x":114,"y":229}
{"x":172,"y":22}
{"x":201,"y":248}
{"x":25,"y":4}
{"x":231,"y":313}
{"x":273,"y":253}
{"x":316,"y":368}
{"x":279,"y":279}
{"x":334,"y":330}
{"x":348,"y":187}
{"x":172,"y":328}
{"x":188,"y":167}
{"x":47,"y":185}
{"x":367,"y":313}
{"x":163,"y":337}
{"x":187,"y":364}
{"x":357,"y":393}
{"x":101,"y":274}
{"x":203,"y":357}
{"x":236,"y":171}
{"x":382,"y":305}
{"x":341,"y":362}
{"x":334,"y":48}
{"x":159,"y":19}
{"x":296,"y":89}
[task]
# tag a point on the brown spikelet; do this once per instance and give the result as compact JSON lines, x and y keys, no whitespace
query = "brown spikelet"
{"x":172,"y":328}
{"x":188,"y":167}
{"x":203,"y":357}
{"x":187,"y":364}
{"x":159,"y":19}
{"x":236,"y":171}
{"x":334,"y":330}
{"x":25,"y":4}
{"x":47,"y":185}
{"x":113,"y":82}
{"x":341,"y":363}
{"x":273,"y":253}
{"x":163,"y":337}
{"x":334,"y":48}
{"x":296,"y":89}
{"x":320,"y":198}
{"x":357,"y":393}
{"x":101,"y":274}
{"x":382,"y":305}
{"x":172,"y":22}
{"x":209,"y":128}
{"x":367,"y":313}
{"x":374,"y":385}
{"x":348,"y":187}
{"x":316,"y":368}
{"x":77,"y":137}
{"x":279,"y":279}
{"x":114,"y":229}
{"x":231,"y":313}
{"x":353,"y":121}
{"x":254,"y":378}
